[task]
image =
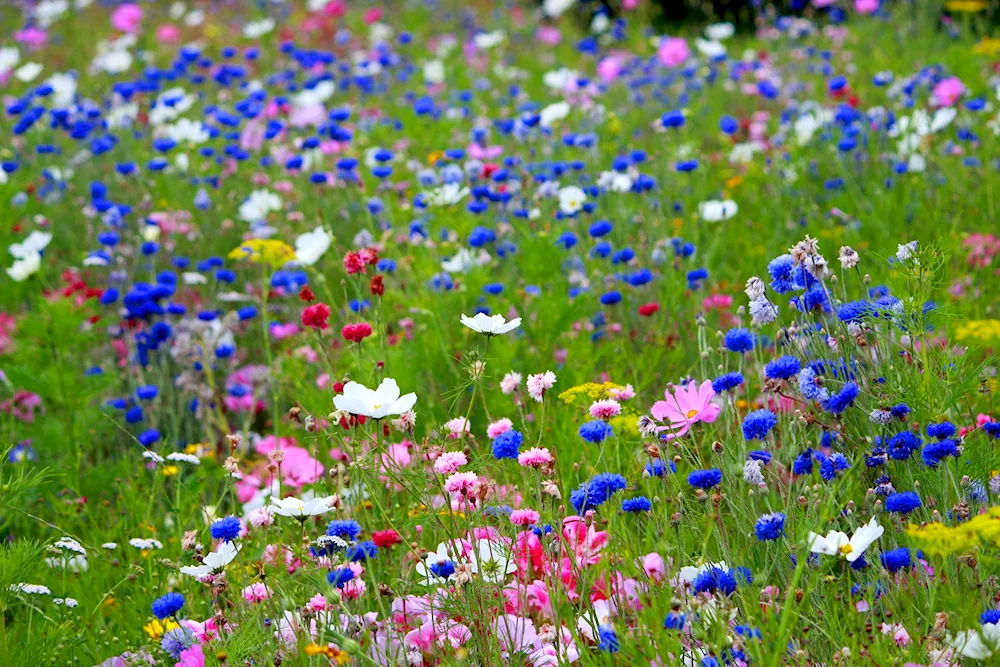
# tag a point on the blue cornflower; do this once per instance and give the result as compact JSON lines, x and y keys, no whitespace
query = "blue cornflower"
{"x":854,"y":311}
{"x":168,"y":605}
{"x":675,"y":620}
{"x":148,"y":437}
{"x":507,"y":444}
{"x":595,"y":431}
{"x":902,"y":445}
{"x":941,"y":431}
{"x":783,"y":368}
{"x":608,"y":639}
{"x":361,"y":551}
{"x":340,"y":577}
{"x":903,"y":503}
{"x":726,"y":382}
{"x":782,"y":271}
{"x":443,"y":569}
{"x":759,"y":455}
{"x":738,"y":340}
{"x":715,"y":580}
{"x":705,"y":479}
{"x":657,"y":468}
{"x":227,"y":529}
{"x":770,"y":526}
{"x":897,"y":559}
{"x":758,"y":424}
{"x":843,"y":399}
{"x":607,"y":484}
{"x":177,"y":640}
{"x":803,"y":463}
{"x":990,"y":616}
{"x":637,"y":504}
{"x":992,"y":429}
{"x":811,"y":385}
{"x":900,"y":411}
{"x":346,"y":529}
{"x":935,"y":451}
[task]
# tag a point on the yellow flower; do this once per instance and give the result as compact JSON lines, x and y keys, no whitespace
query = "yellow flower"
{"x":155,"y":628}
{"x":981,"y":332}
{"x":434,"y":157}
{"x":733,"y":182}
{"x":936,"y":538}
{"x":989,"y":46}
{"x":170,"y":471}
{"x":264,"y":251}
{"x":330,"y":651}
{"x":588,"y":392}
{"x":965,"y":5}
{"x":625,"y":424}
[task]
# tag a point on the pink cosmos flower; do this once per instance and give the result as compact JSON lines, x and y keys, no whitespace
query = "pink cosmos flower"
{"x":947,"y":91}
{"x":32,"y":37}
{"x":536,"y":457}
{"x":450,"y":462}
{"x":605,"y":409}
{"x":673,"y":51}
{"x":256,"y":593}
{"x":609,"y":68}
{"x":654,"y":567}
{"x":524,"y":517}
{"x":624,"y":394}
{"x":127,"y":18}
{"x":168,"y":33}
{"x":685,"y":407}
{"x":457,"y":427}
{"x":192,"y":657}
{"x":583,"y":541}
{"x":548,"y":35}
{"x":866,"y":6}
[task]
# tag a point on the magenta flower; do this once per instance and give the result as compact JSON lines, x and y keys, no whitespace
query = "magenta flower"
{"x":127,"y":18}
{"x":686,"y":407}
{"x":947,"y":91}
{"x":673,"y":51}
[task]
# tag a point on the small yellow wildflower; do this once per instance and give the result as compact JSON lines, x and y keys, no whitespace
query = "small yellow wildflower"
{"x":434,"y":157}
{"x":936,"y":538}
{"x":264,"y":251}
{"x":170,"y":471}
{"x":330,"y":651}
{"x":989,"y":46}
{"x":980,"y":332}
{"x":588,"y":393}
{"x":155,"y":629}
{"x":733,"y":182}
{"x":965,"y":5}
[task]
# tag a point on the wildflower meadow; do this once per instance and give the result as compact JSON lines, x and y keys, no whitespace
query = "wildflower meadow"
{"x":533,"y":333}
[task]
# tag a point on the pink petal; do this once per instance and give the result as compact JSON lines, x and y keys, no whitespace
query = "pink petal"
{"x":710,"y":413}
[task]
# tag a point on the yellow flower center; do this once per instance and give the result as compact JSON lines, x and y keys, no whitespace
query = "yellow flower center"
{"x":377,"y":405}
{"x":846,"y":549}
{"x":691,"y":413}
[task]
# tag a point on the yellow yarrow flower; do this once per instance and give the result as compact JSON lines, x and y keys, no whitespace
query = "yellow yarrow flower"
{"x":965,"y":5}
{"x":936,"y":538}
{"x":588,"y":392}
{"x":264,"y":251}
{"x":981,"y":332}
{"x":989,"y":46}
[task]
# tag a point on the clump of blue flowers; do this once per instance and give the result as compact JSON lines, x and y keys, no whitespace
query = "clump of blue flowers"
{"x":758,"y":424}
{"x":227,"y":529}
{"x":507,"y":445}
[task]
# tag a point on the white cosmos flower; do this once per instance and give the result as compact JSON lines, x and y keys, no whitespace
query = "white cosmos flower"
{"x":463,"y":260}
{"x":9,"y":58}
{"x":710,"y":48}
{"x":719,"y":31}
{"x":716,"y":211}
{"x":978,"y":645}
{"x":434,"y":71}
{"x":571,"y":199}
{"x":256,"y":29}
{"x":491,"y":325}
{"x":309,"y":247}
{"x":614,"y":181}
{"x":443,"y":554}
{"x":28,"y":72}
{"x":852,"y":548}
{"x":33,"y":245}
{"x":300,"y":509}
{"x":491,"y":561}
{"x":446,"y":195}
{"x":382,"y":402}
{"x":553,"y":112}
{"x":185,"y":129}
{"x":214,"y":561}
{"x":23,"y":269}
{"x":487,"y":40}
{"x":560,"y":78}
{"x":64,"y":89}
{"x":556,"y":8}
{"x":260,"y":202}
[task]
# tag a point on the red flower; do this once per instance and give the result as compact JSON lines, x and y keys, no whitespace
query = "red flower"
{"x":377,"y":287}
{"x":384,"y":539}
{"x":306,"y":294}
{"x":356,"y":332}
{"x":369,"y":255}
{"x":648,"y":309}
{"x":316,"y":316}
{"x":353,"y":263}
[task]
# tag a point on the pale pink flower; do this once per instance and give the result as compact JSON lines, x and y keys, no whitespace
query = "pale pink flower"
{"x":461,"y":482}
{"x":548,"y":35}
{"x":947,"y":91}
{"x":605,"y":409}
{"x":654,"y":567}
{"x":685,"y":407}
{"x":623,"y":394}
{"x":168,"y":33}
{"x":192,"y":657}
{"x":499,"y":427}
{"x":127,"y":18}
{"x":510,"y":382}
{"x":673,"y":51}
{"x":449,"y":462}
{"x":260,"y":517}
{"x":256,"y":593}
{"x":525,"y":517}
{"x":536,"y":457}
{"x":898,"y":632}
{"x":539,"y":383}
{"x":866,"y":6}
{"x":457,"y":427}
{"x":317,"y":602}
